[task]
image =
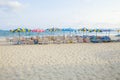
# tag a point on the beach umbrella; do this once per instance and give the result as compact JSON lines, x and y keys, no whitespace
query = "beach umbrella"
{"x":90,"y":30}
{"x":52,"y":30}
{"x":96,"y":31}
{"x":68,"y":30}
{"x":107,"y":31}
{"x":19,"y":30}
{"x":83,"y":30}
{"x":38,"y":31}
{"x":27,"y":31}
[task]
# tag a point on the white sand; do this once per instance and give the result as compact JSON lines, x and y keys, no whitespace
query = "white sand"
{"x":85,"y":61}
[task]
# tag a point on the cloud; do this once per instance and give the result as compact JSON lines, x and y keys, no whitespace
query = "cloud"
{"x":8,"y":5}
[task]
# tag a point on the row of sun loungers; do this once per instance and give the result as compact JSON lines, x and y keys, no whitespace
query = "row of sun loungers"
{"x":58,"y":40}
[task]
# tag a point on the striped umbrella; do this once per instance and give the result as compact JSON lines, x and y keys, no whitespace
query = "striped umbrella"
{"x":19,"y":30}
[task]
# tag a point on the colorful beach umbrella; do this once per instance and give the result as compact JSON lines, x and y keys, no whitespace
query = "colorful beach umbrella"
{"x":25,"y":30}
{"x":53,"y":29}
{"x":19,"y":30}
{"x":84,"y":30}
{"x":96,"y":31}
{"x":38,"y":31}
{"x":90,"y":30}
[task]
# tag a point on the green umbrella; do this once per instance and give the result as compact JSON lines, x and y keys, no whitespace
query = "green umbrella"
{"x":96,"y":31}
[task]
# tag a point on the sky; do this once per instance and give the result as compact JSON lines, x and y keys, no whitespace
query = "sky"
{"x":59,"y":13}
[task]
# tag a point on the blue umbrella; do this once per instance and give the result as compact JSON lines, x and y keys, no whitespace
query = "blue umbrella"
{"x":68,"y":30}
{"x":107,"y":31}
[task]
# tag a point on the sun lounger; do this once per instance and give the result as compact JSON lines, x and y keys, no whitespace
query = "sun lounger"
{"x":105,"y":39}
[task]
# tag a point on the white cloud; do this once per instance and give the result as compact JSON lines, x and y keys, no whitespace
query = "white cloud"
{"x":10,"y":5}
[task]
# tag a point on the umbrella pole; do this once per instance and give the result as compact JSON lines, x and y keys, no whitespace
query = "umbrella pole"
{"x":83,"y":33}
{"x":19,"y":38}
{"x":86,"y":33}
{"x":109,"y":33}
{"x":96,"y":35}
{"x":83,"y":36}
{"x":106,"y":33}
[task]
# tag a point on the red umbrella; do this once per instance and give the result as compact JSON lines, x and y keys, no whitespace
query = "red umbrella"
{"x":38,"y":31}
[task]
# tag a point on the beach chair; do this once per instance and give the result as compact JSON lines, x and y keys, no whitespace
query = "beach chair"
{"x":58,"y":40}
{"x":15,"y":41}
{"x":30,"y":42}
{"x":40,"y":41}
{"x":79,"y":40}
{"x":74,"y":39}
{"x":105,"y":39}
{"x":45,"y":40}
{"x":86,"y":40}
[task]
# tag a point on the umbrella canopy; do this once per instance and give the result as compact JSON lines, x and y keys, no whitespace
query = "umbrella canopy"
{"x":68,"y":29}
{"x":107,"y":31}
{"x":97,"y":30}
{"x":90,"y":30}
{"x":19,"y":30}
{"x":53,"y":29}
{"x":26,"y":30}
{"x":83,"y":30}
{"x":38,"y":30}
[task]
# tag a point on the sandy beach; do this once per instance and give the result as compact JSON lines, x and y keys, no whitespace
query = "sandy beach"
{"x":84,"y":61}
